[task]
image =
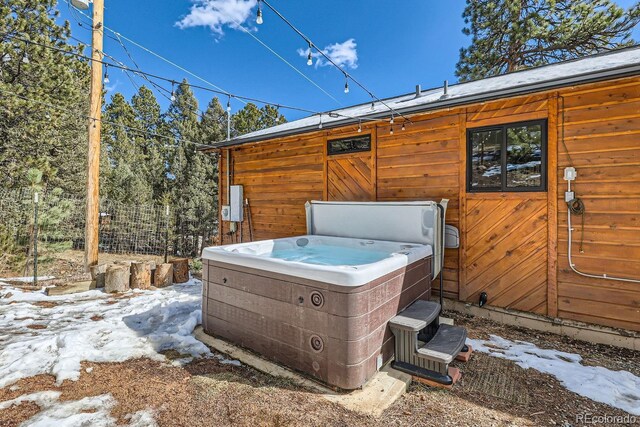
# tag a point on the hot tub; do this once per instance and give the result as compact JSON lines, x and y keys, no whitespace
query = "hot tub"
{"x":320,"y":303}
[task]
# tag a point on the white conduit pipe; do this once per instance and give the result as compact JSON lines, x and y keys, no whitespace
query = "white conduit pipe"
{"x":572,"y":265}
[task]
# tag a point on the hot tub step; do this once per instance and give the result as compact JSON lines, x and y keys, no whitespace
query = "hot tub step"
{"x":445,"y":345}
{"x":417,"y":316}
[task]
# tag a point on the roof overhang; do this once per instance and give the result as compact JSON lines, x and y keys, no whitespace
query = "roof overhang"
{"x":578,"y":79}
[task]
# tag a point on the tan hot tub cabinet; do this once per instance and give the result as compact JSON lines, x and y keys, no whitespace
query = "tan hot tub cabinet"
{"x":335,"y":332}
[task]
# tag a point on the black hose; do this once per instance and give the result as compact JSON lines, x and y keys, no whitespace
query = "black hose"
{"x":576,"y":207}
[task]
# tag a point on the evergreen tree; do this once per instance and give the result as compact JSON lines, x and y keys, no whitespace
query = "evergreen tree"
{"x":510,"y":35}
{"x":34,"y":135}
{"x":251,"y":118}
{"x":147,"y":115}
{"x":192,"y":189}
{"x":124,"y":177}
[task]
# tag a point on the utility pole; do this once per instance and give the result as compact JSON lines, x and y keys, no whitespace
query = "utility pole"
{"x":93,"y":154}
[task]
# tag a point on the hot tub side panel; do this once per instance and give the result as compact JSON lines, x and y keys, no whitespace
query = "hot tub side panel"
{"x":334,"y":333}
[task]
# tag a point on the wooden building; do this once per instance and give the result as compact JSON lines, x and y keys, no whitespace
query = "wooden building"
{"x":497,"y":148}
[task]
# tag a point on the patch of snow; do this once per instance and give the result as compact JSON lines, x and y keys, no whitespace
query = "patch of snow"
{"x":620,"y":389}
{"x":141,"y":419}
{"x":90,"y":411}
{"x":94,"y":326}
{"x":41,"y":398}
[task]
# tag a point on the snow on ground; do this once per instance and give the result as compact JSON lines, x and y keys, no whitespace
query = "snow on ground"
{"x":38,"y":337}
{"x":89,"y":411}
{"x":620,"y":389}
{"x":42,"y":334}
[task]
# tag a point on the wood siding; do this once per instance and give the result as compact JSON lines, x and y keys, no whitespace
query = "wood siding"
{"x":601,"y":139}
{"x":513,"y":245}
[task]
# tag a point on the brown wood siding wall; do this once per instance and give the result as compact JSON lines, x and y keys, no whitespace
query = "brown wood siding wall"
{"x":602,"y":141}
{"x":514,"y":245}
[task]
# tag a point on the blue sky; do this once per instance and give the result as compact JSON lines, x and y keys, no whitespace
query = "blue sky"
{"x":398,"y":44}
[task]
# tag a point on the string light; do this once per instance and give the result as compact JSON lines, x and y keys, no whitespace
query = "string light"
{"x":320,"y":124}
{"x":391,"y":131}
{"x":391,"y":121}
{"x":259,"y":19}
{"x":173,"y":91}
{"x":309,"y":57}
{"x":25,"y":58}
{"x":359,"y":126}
{"x":106,"y":73}
{"x":346,"y":85}
{"x":403,"y":127}
{"x":229,"y":104}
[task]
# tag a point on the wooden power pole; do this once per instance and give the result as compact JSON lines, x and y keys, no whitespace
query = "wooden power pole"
{"x":93,"y":155}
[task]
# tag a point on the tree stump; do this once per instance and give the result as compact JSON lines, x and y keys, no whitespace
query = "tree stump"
{"x":97,"y":275}
{"x":140,"y":275}
{"x":163,"y":276}
{"x":180,"y":270}
{"x":116,"y":279}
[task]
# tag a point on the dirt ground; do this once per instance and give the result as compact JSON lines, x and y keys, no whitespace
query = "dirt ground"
{"x":492,"y":392}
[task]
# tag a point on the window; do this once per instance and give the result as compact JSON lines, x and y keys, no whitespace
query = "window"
{"x":509,"y":157}
{"x":349,"y":145}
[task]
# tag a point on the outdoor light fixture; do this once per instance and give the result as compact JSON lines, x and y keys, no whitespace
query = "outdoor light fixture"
{"x":359,"y":126}
{"x":80,"y":4}
{"x":346,"y":86}
{"x":106,"y":73}
{"x":173,"y":91}
{"x":259,"y":19}
{"x":25,"y":58}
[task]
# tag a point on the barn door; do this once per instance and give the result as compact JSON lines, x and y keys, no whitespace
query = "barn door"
{"x":350,"y":175}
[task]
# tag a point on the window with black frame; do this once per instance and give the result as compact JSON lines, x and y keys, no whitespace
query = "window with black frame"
{"x":510,"y":157}
{"x":349,"y":145}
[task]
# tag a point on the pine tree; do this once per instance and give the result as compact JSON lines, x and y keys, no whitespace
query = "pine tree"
{"x":32,"y":134}
{"x":124,"y":177}
{"x":510,"y":35}
{"x":251,"y":118}
{"x":147,"y":114}
{"x":192,"y":188}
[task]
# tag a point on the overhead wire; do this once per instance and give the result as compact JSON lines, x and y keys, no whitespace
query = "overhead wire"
{"x":346,"y":74}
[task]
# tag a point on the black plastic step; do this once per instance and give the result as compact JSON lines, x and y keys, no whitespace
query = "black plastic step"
{"x":422,"y":373}
{"x":417,"y":316}
{"x":445,"y":344}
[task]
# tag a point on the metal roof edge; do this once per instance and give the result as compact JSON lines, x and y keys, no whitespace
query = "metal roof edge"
{"x":585,"y":78}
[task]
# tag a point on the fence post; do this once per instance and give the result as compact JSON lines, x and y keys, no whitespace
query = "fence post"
{"x":166,"y":234}
{"x":35,"y":238}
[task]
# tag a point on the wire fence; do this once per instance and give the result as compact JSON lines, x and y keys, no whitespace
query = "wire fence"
{"x":57,"y":243}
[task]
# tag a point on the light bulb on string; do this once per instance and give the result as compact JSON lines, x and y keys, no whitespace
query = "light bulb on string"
{"x":359,"y":126}
{"x":403,"y":127}
{"x":259,"y":19}
{"x":309,"y":56}
{"x":25,"y":58}
{"x":391,"y":131}
{"x":320,"y":124}
{"x":391,"y":121}
{"x":346,"y":86}
{"x":173,"y":91}
{"x":106,"y":74}
{"x":229,"y":104}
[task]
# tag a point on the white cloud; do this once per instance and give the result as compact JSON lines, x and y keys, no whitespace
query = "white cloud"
{"x":344,"y":54}
{"x":216,"y":14}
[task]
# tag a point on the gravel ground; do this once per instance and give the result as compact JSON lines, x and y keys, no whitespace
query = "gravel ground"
{"x":492,"y":392}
